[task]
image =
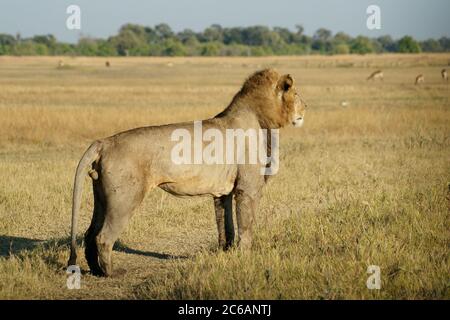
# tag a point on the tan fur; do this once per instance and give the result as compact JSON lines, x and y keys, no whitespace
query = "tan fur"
{"x":126,"y":166}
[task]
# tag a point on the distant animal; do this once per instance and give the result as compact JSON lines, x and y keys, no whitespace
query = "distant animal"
{"x":60,"y":64}
{"x":107,"y":64}
{"x":420,"y":79}
{"x":344,"y":103}
{"x":376,"y":75}
{"x":125,"y":166}
{"x":444,"y":75}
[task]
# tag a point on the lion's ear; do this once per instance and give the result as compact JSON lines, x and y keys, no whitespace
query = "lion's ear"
{"x":285,"y":82}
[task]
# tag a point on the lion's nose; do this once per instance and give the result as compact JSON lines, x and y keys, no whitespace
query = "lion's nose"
{"x":297,"y":121}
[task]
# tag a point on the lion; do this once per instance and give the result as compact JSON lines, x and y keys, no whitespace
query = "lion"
{"x":126,"y":166}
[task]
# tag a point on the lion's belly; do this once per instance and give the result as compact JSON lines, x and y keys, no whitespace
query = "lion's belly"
{"x":183,"y":189}
{"x":216,"y":181}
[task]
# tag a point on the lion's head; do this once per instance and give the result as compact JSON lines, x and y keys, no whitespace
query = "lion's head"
{"x":273,"y":98}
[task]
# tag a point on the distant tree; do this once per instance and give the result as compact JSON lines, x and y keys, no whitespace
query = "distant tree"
{"x":137,"y":30}
{"x":376,"y":46}
{"x":41,"y":49}
{"x":87,"y":47}
{"x":29,"y":48}
{"x":260,"y":51}
{"x":361,"y":45}
{"x":300,"y":29}
{"x":48,"y":40}
{"x":6,"y":43}
{"x":387,"y":43}
{"x":340,"y":43}
{"x":256,"y":36}
{"x":155,"y":49}
{"x":341,"y":48}
{"x":445,"y":44}
{"x":105,"y":48}
{"x":342,"y":37}
{"x":285,"y":34}
{"x":322,"y":34}
{"x":408,"y":45}
{"x":211,"y":49}
{"x":298,"y":36}
{"x":213,"y":34}
{"x":173,"y":47}
{"x":151,"y":36}
{"x":237,"y":50}
{"x":160,"y":40}
{"x":7,"y":40}
{"x":132,"y":39}
{"x":431,"y":45}
{"x":276,"y":42}
{"x":306,"y":41}
{"x":322,"y":41}
{"x":64,"y":49}
{"x":187,"y":35}
{"x":233,"y":35}
{"x":163,"y":31}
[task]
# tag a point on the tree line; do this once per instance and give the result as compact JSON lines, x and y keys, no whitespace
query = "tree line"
{"x":161,"y":40}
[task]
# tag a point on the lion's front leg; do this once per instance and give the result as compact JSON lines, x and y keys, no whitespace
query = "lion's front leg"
{"x":246,"y":206}
{"x":224,"y":218}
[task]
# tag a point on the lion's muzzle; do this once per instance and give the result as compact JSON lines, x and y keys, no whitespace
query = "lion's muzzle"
{"x":298,"y":122}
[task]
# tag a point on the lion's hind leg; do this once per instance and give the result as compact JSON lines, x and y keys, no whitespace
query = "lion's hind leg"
{"x":98,"y":218}
{"x":119,"y":209}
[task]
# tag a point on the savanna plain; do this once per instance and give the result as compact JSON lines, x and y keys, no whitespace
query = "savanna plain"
{"x":364,"y":182}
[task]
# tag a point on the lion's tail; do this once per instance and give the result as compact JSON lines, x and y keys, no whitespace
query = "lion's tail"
{"x":92,"y":154}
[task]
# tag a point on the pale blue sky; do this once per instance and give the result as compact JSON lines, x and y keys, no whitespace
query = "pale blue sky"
{"x":102,"y":18}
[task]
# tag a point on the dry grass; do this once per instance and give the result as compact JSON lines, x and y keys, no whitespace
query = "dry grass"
{"x":360,"y":185}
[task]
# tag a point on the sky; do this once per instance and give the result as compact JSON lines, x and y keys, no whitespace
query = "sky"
{"x":421,"y":19}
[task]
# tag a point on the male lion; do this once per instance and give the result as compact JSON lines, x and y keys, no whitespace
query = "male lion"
{"x":125,"y":166}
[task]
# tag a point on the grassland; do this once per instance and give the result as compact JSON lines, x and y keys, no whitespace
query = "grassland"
{"x":365,"y":184}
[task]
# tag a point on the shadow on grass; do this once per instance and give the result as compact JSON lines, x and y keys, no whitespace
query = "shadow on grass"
{"x":120,"y":247}
{"x":10,"y":245}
